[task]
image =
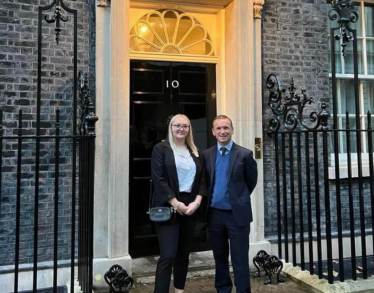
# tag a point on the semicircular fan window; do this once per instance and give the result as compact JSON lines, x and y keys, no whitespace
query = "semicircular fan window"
{"x":170,"y":32}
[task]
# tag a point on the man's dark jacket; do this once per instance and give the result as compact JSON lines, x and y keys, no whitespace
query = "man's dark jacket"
{"x":242,"y":180}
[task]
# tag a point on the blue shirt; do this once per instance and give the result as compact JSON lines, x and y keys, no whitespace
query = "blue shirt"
{"x":220,"y":198}
{"x":186,"y":170}
{"x":228,"y":147}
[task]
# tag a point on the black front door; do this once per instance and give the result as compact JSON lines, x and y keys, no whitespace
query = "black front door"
{"x":159,"y":90}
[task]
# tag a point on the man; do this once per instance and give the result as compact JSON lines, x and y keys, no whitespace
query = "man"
{"x":231,"y":174}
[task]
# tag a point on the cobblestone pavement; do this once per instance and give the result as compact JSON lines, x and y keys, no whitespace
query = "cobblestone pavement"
{"x":206,"y":285}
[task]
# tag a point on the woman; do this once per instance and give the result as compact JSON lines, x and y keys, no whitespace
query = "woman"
{"x":179,"y":181}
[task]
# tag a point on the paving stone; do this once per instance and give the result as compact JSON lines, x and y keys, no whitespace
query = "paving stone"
{"x":206,"y":285}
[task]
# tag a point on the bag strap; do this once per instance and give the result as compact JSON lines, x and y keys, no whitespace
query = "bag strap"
{"x":151,"y":198}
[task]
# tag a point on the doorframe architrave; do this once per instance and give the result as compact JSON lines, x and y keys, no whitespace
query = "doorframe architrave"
{"x":219,"y":44}
{"x":239,"y":95}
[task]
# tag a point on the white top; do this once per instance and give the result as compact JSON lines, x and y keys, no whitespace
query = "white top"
{"x":186,"y":170}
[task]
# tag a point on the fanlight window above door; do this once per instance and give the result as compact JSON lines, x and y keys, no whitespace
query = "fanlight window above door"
{"x":170,"y":32}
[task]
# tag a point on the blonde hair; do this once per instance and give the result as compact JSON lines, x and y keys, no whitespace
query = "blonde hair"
{"x":189,"y":137}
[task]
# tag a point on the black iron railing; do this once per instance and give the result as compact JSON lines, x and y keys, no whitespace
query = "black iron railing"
{"x":81,"y":249}
{"x":320,"y":198}
{"x":49,"y":179}
{"x":305,"y":193}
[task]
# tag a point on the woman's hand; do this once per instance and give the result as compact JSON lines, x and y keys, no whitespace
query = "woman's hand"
{"x":181,"y":208}
{"x":193,"y":206}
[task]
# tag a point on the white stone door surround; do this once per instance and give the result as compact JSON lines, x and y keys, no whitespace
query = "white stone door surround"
{"x":238,"y":96}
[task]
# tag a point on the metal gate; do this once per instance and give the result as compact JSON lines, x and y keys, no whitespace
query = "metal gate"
{"x":49,"y":183}
{"x":320,"y":198}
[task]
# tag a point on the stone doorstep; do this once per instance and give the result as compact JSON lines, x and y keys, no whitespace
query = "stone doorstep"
{"x":193,"y":273}
{"x":317,"y":285}
{"x":148,"y":278}
{"x":147,"y":265}
{"x":201,"y":265}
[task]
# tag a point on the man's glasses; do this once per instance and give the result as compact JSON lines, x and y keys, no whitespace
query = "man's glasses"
{"x":183,"y":126}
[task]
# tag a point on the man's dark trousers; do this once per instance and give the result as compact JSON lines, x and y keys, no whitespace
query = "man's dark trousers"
{"x":232,"y":226}
{"x":222,"y":227}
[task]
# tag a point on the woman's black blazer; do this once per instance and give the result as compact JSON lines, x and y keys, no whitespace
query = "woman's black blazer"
{"x":165,"y":177}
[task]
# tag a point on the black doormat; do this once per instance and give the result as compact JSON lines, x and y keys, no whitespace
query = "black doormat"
{"x":347,"y":268}
{"x":60,"y":289}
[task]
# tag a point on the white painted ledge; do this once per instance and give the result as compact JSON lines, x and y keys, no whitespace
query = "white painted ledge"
{"x":322,"y":285}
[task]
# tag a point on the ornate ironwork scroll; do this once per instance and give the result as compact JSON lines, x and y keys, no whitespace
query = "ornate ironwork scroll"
{"x":88,"y":117}
{"x":342,"y":11}
{"x":270,"y":264}
{"x":259,"y":261}
{"x":57,"y":17}
{"x":118,"y":279}
{"x":273,"y":266}
{"x":289,"y":108}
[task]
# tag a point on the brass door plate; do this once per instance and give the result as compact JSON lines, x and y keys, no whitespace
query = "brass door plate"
{"x":258,"y":148}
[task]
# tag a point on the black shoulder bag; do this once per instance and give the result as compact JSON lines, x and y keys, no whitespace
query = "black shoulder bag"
{"x":159,"y":214}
